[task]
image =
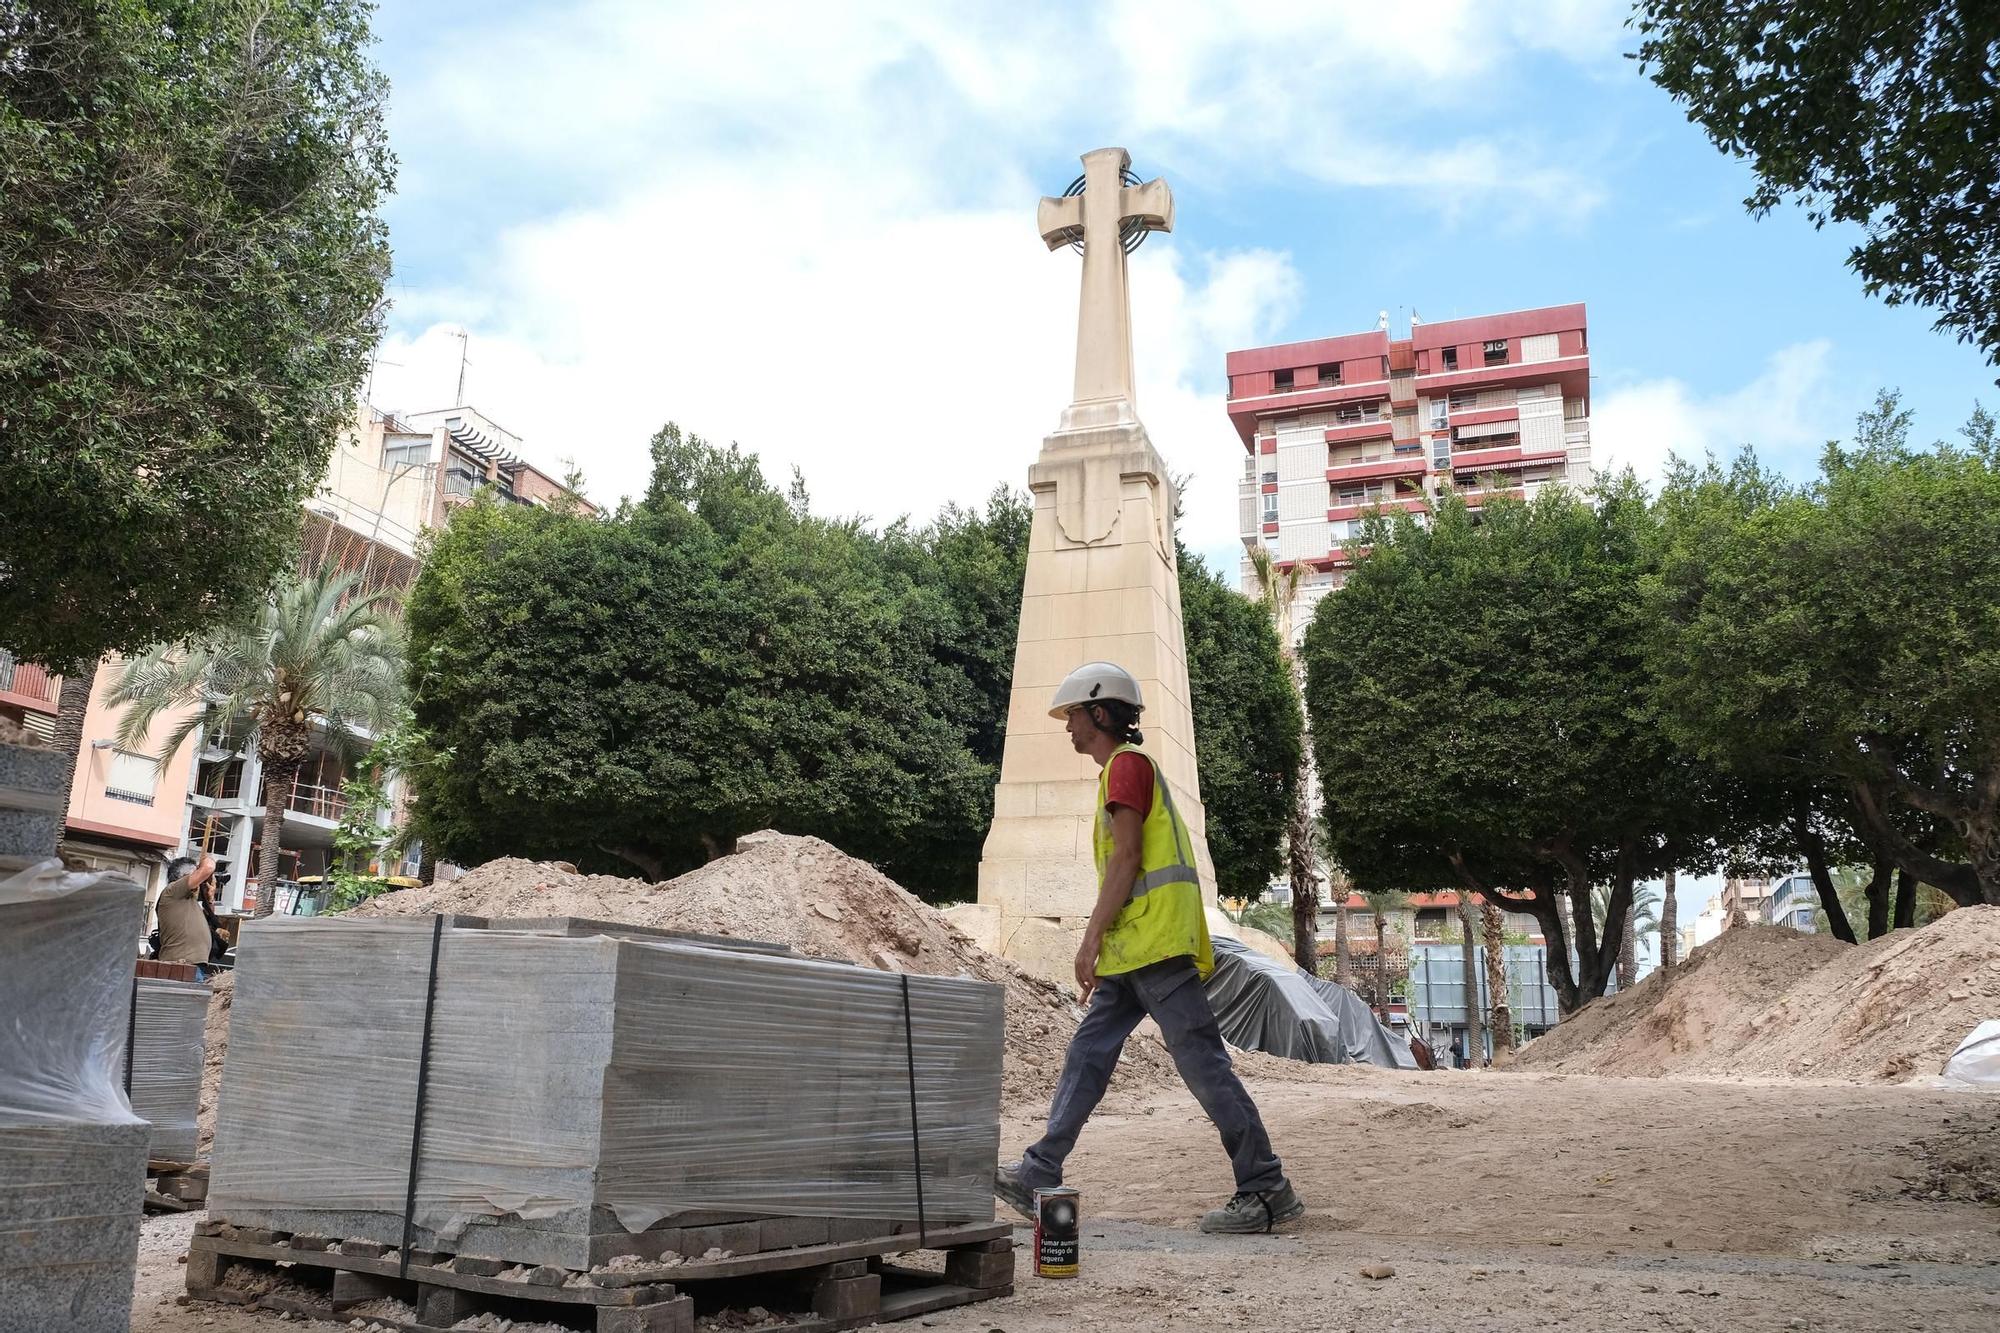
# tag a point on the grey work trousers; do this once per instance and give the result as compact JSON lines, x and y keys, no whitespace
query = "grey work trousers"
{"x":1170,"y":993}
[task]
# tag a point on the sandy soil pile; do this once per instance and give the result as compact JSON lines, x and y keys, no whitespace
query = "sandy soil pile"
{"x":807,"y":894}
{"x":1761,"y":1000}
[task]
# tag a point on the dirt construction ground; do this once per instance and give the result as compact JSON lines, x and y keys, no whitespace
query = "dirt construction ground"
{"x":1504,"y":1201}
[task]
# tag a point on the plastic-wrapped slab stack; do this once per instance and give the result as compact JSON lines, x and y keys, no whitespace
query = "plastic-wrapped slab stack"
{"x":167,"y":1038}
{"x":72,"y":1154}
{"x":589,"y":1096}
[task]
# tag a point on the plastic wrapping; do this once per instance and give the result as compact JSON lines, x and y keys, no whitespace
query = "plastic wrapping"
{"x":586,"y":1086}
{"x":1976,"y":1061}
{"x":1263,"y":1005}
{"x":168,"y":1024}
{"x":72,"y":1153}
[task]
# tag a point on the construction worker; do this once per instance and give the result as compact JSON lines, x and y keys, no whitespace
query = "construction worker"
{"x":1145,"y":953}
{"x":184,"y":931}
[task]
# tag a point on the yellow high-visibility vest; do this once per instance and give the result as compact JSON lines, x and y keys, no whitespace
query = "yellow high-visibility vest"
{"x":1164,"y":918}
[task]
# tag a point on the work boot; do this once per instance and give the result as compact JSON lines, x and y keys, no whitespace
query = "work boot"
{"x":1251,"y":1214}
{"x":1009,"y":1189}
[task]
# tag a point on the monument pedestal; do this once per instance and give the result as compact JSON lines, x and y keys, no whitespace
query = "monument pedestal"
{"x":1101,"y":585}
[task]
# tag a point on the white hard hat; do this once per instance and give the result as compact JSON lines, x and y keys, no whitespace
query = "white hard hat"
{"x":1094,"y":682}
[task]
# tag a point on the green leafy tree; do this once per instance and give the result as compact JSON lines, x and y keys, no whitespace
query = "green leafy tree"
{"x":313,"y":656}
{"x":191,"y":267}
{"x":1880,"y":115}
{"x":713,"y":661}
{"x":1278,"y":592}
{"x":1247,"y":730}
{"x":1848,"y":635}
{"x":1480,"y":686}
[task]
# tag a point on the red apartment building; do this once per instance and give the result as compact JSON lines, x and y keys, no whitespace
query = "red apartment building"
{"x":1492,"y":405}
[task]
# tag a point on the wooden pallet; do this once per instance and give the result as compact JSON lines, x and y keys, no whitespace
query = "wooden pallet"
{"x":176,"y":1187}
{"x":819,"y":1288}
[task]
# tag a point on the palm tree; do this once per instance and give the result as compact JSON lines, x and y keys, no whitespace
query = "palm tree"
{"x":1670,"y":939}
{"x":310,"y":653}
{"x":1475,"y":1038}
{"x":1278,"y":591}
{"x":1640,"y":921}
{"x":1380,"y":903}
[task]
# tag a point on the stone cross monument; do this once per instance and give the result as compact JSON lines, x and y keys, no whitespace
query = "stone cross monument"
{"x":1101,"y":585}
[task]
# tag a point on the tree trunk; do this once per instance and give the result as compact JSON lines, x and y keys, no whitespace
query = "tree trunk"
{"x":1814,"y":848}
{"x":1628,"y":954}
{"x":715,"y":848}
{"x":1305,"y":891}
{"x":1475,"y":1037}
{"x":427,"y":865}
{"x":1906,"y":900}
{"x":70,"y":707}
{"x":277,"y":792}
{"x":1381,"y":967}
{"x":1670,"y":942}
{"x":1343,"y":957}
{"x":1501,"y":1014}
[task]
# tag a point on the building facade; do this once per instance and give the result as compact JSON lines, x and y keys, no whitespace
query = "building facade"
{"x":390,"y":478}
{"x":1335,"y":427}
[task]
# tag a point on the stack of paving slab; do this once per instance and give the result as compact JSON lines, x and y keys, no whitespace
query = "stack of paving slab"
{"x":596,"y":1090}
{"x":72,"y":1154}
{"x":168,"y":1022}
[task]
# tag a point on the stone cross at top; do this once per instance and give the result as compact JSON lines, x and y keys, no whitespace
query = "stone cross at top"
{"x":1100,"y":215}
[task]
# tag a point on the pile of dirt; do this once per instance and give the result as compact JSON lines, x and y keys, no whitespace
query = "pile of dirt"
{"x":1768,"y":1000}
{"x":795,"y":891}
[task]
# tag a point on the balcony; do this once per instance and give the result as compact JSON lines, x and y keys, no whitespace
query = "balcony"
{"x":1363,"y":428}
{"x":1344,"y":509}
{"x":317,"y":802}
{"x":1508,"y":456}
{"x":1377,"y":467}
{"x":25,"y":685}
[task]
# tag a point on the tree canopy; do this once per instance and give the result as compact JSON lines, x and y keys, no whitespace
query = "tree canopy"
{"x":190,"y":271}
{"x":1248,"y":729}
{"x":1479,"y":718}
{"x":1845,"y":637}
{"x":1883,"y":115}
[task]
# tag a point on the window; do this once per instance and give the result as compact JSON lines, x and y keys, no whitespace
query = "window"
{"x":131,"y":777}
{"x":1353,"y":495}
{"x":1281,"y":382}
{"x":1270,"y":507}
{"x":1270,"y":479}
{"x":410,"y":454}
{"x":1353,"y":414}
{"x":1451,"y":358}
{"x":1329,"y":375}
{"x":1496,"y":351}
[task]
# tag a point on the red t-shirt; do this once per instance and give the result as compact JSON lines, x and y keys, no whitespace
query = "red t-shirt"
{"x":1130,"y":783}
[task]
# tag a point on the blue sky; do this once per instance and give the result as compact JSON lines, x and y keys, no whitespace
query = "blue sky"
{"x":810,"y":228}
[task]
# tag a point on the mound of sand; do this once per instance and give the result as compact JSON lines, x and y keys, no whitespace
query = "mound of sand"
{"x":795,"y":891}
{"x":1768,"y":1000}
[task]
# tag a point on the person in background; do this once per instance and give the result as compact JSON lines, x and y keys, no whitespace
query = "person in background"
{"x":183,"y":909}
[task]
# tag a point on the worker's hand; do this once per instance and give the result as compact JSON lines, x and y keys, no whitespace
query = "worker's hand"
{"x":204,"y":868}
{"x":1086,"y":970}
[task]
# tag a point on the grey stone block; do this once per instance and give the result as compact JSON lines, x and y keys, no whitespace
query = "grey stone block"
{"x":583,"y":1087}
{"x":168,"y":1034}
{"x":72,"y":1155}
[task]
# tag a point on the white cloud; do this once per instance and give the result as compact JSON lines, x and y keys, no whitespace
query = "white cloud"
{"x":809,"y":228}
{"x":1787,"y":413}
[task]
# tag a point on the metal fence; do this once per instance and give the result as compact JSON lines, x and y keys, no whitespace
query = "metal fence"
{"x":1437,"y":985}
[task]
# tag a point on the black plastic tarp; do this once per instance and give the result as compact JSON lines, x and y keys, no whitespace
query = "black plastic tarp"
{"x":1262,"y":1005}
